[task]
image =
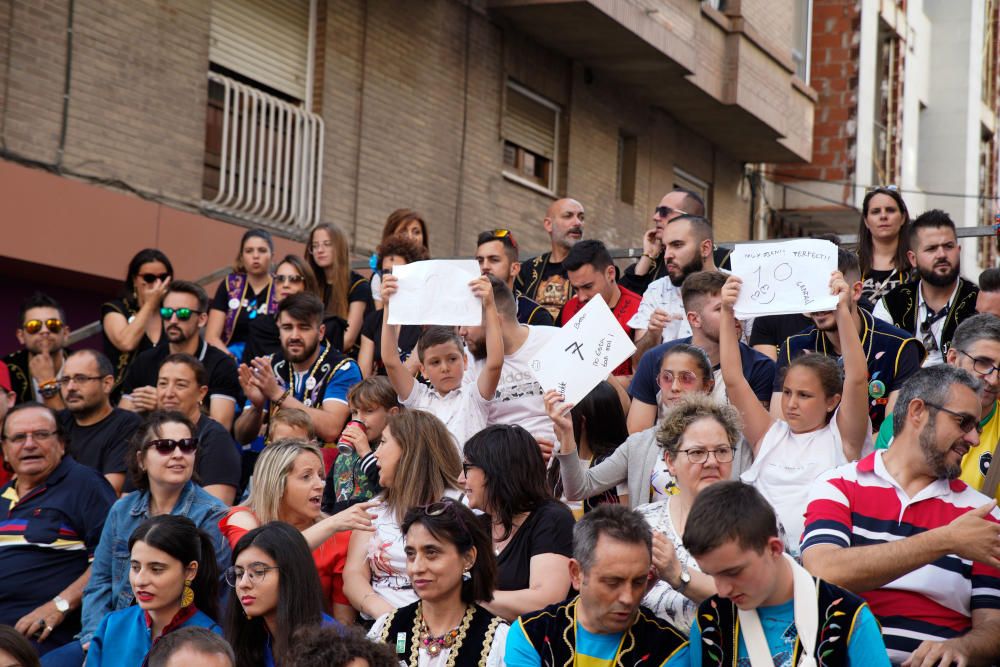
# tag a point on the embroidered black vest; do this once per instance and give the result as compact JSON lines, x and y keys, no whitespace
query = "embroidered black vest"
{"x":648,"y":642}
{"x":719,"y":624}
{"x":902,"y":306}
{"x":473,"y":644}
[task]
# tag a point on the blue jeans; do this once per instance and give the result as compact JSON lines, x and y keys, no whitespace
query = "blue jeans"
{"x":67,"y":655}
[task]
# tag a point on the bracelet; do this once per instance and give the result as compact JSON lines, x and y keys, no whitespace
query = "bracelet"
{"x":650,"y":257}
{"x":281,"y":399}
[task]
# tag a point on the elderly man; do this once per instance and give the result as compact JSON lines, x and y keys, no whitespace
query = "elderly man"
{"x":543,"y":278}
{"x":902,"y":531}
{"x":53,"y":511}
{"x":604,"y":625}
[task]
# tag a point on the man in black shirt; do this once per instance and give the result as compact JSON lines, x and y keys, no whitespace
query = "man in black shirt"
{"x":184,"y":313}
{"x":543,"y":278}
{"x":497,"y":254}
{"x":98,"y":433}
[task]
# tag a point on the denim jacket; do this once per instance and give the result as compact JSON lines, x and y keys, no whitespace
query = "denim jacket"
{"x":109,"y":589}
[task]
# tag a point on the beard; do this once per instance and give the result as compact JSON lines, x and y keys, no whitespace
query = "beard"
{"x":936,"y":279}
{"x":934,"y":457}
{"x":694,"y":266}
{"x":477,"y":348}
{"x":307,"y":352}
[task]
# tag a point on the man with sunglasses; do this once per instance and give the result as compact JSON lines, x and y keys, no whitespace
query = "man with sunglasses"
{"x":184,"y":312}
{"x":932,"y":306}
{"x":543,"y":278}
{"x":497,"y":254}
{"x":34,"y":369}
{"x":900,"y":529}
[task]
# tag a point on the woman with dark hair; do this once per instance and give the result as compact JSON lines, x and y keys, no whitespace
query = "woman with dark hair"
{"x":131,"y":323}
{"x":244,"y":295}
{"x":161,"y":461}
{"x":345,"y":294}
{"x":405,"y":224}
{"x":15,"y":650}
{"x":175,"y":581}
{"x":449,"y":559}
{"x":504,"y":476}
{"x":882,"y":243}
{"x":277,"y":591}
{"x":600,"y":421}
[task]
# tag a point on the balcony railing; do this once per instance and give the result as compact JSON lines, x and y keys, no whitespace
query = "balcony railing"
{"x":263,"y":157}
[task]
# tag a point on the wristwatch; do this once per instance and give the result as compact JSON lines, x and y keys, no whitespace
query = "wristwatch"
{"x":61,"y":604}
{"x":48,"y":389}
{"x":685,"y":579}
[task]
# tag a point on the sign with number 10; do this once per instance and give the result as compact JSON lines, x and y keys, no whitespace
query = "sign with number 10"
{"x":784,"y":277}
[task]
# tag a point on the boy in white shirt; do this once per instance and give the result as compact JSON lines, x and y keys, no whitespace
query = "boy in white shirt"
{"x":462,"y":407}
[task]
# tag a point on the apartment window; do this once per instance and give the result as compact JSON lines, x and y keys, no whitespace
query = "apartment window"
{"x":688,"y":181}
{"x":530,"y":138}
{"x":802,"y":37}
{"x":628,"y":153}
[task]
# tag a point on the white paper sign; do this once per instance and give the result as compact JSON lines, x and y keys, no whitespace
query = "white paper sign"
{"x":784,"y":277}
{"x":436,"y":291}
{"x":584,"y":352}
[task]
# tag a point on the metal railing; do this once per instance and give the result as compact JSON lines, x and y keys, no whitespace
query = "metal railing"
{"x":271,"y":158}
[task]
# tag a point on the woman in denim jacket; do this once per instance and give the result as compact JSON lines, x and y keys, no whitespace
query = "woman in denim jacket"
{"x":163,"y":480}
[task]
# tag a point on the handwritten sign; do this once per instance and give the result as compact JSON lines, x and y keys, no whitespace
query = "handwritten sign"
{"x":584,"y":352}
{"x":436,"y":292}
{"x":784,"y":277}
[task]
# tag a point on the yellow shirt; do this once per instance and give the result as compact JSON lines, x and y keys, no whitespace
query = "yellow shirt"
{"x":976,"y":461}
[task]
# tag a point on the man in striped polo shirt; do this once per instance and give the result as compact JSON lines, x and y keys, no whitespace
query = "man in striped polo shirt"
{"x":900,"y":529}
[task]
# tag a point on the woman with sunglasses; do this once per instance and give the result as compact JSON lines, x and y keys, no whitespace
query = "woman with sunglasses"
{"x":175,"y":581}
{"x":449,"y":559}
{"x":245,"y":294}
{"x":882,"y":243}
{"x":401,"y":223}
{"x":346,"y":294}
{"x":161,"y":462}
{"x":418,"y":463}
{"x":132,"y":323}
{"x":532,"y":532}
{"x":276,"y":592}
{"x":637,"y":462}
{"x":288,"y":481}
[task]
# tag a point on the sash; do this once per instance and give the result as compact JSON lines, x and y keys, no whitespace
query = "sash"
{"x":236,"y":291}
{"x":806,"y":622}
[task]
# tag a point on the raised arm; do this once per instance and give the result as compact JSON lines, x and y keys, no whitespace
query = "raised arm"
{"x":852,"y":417}
{"x":125,"y":335}
{"x":490,"y":375}
{"x":399,"y":376}
{"x":756,"y":420}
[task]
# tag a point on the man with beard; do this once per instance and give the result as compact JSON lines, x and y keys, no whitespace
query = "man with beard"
{"x":661,"y":317}
{"x":543,"y":278}
{"x":98,"y":433}
{"x":902,"y":531}
{"x":35,"y":368}
{"x":497,"y":254}
{"x":184,"y":312}
{"x":893,"y":355}
{"x":932,"y":306}
{"x":307,"y":374}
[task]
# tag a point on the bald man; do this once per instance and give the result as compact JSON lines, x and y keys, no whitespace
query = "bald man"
{"x":543,"y":278}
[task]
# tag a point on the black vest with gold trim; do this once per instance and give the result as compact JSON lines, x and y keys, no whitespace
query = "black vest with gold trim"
{"x":648,"y":642}
{"x":902,"y":306}
{"x":471,"y":648}
{"x":719,"y":625}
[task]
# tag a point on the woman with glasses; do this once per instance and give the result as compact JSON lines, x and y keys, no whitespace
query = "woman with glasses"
{"x":449,"y":559}
{"x":532,"y":532}
{"x":346,"y":294}
{"x":288,"y":481}
{"x":175,"y":581}
{"x":637,"y":462}
{"x":161,"y":462}
{"x":882,"y":243}
{"x":401,"y":223}
{"x":276,"y":592}
{"x":245,"y":294}
{"x":132,"y":323}
{"x":418,"y":463}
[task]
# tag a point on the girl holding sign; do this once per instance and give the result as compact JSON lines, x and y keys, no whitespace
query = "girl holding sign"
{"x":826,"y":412}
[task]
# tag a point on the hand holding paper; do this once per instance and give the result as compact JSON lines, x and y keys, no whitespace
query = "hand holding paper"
{"x":435,"y":292}
{"x":784,"y":277}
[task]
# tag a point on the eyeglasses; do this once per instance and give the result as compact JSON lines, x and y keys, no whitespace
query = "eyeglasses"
{"x":666,"y":211}
{"x":53,"y":324}
{"x":699,"y":455}
{"x":256,"y":574}
{"x":166,"y":446}
{"x":447,"y":504}
{"x":466,"y":467}
{"x":289,"y":279}
{"x":981,"y":366}
{"x":966,"y":422}
{"x":183,"y":314}
{"x":37,"y":436}
{"x":78,"y":379}
{"x":318,"y":245}
{"x":150,"y":278}
{"x":884,"y":188}
{"x":686,"y":378}
{"x":504,"y":234}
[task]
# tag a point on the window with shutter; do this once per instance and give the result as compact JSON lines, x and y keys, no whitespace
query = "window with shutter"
{"x":530,"y":137}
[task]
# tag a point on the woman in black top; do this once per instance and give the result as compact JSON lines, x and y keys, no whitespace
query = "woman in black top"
{"x":882,"y":243}
{"x":347,"y":294}
{"x":504,"y":476}
{"x":132,"y":323}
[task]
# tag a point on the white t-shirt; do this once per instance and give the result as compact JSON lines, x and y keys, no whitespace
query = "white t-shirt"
{"x":662,"y":294}
{"x":462,"y":410}
{"x":387,"y":559}
{"x":425,"y":659}
{"x":518,"y":399}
